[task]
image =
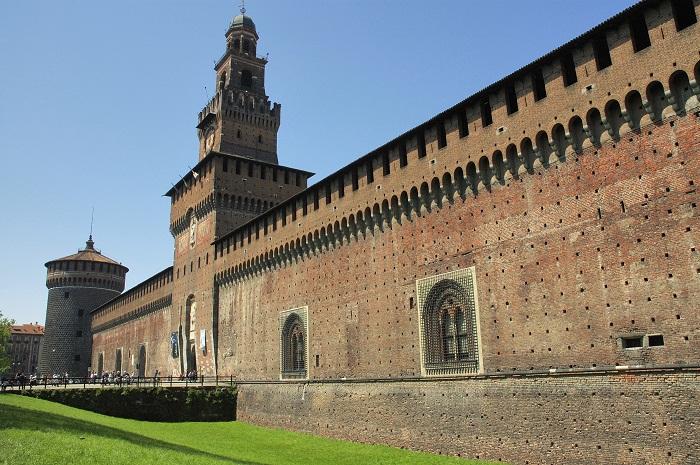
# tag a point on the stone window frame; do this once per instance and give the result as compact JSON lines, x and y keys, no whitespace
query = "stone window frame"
{"x":285,"y":347}
{"x":463,"y":280}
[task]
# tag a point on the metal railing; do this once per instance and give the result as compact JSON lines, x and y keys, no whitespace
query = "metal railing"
{"x":125,"y":381}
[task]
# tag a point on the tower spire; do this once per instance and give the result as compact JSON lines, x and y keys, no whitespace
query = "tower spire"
{"x":242,"y":7}
{"x":90,"y":244}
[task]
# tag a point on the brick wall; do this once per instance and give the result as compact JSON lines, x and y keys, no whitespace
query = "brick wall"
{"x":628,"y":418}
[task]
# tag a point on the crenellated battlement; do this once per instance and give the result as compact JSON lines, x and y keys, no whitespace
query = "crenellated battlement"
{"x":542,"y":115}
{"x":153,"y":289}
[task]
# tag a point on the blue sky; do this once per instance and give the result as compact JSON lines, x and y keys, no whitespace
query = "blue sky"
{"x":98,"y":103}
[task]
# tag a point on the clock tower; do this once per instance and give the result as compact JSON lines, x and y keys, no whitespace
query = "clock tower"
{"x":240,"y":119}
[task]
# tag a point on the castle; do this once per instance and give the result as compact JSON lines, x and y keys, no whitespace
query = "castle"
{"x":514,"y":279}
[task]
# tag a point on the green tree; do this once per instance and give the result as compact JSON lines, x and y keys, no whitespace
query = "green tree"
{"x":5,"y":326}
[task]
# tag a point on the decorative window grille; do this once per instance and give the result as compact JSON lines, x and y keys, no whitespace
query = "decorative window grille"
{"x":448,"y":315}
{"x":294,"y":343}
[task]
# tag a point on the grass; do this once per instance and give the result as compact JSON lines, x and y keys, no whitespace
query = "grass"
{"x":34,"y":431}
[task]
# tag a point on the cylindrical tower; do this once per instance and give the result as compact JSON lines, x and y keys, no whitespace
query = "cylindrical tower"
{"x":77,"y":285}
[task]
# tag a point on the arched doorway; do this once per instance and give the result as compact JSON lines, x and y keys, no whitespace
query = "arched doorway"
{"x":191,"y":334}
{"x":142,"y":362}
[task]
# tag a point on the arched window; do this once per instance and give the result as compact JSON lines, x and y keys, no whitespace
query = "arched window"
{"x":246,"y":78}
{"x":449,"y":340}
{"x":294,"y":345}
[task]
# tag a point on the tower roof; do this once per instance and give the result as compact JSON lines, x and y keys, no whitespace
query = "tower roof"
{"x":88,"y":254}
{"x":243,"y":21}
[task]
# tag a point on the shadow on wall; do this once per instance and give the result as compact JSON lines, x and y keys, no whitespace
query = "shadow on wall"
{"x":26,"y":419}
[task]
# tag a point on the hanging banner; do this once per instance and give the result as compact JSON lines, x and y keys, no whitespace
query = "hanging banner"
{"x":174,"y":347}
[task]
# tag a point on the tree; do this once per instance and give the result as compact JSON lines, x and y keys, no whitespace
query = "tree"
{"x":5,"y":327}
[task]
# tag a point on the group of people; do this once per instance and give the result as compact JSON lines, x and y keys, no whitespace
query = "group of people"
{"x":112,"y":377}
{"x":20,"y":380}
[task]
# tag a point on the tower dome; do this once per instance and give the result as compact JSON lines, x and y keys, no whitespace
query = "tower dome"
{"x":243,"y":21}
{"x":77,"y":284}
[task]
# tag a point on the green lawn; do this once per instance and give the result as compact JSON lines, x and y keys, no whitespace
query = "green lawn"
{"x":36,"y":432}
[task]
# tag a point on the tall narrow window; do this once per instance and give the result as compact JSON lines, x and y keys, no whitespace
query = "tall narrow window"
{"x":486,"y":118}
{"x":225,"y":165}
{"x":369,"y":169}
{"x":538,"y":87}
{"x":683,"y":13}
{"x":286,"y":177}
{"x":385,"y":164}
{"x":274,"y":174}
{"x":639,"y":33}
{"x":511,"y":99}
{"x":315,"y":199}
{"x":462,"y":123}
{"x":250,"y":169}
{"x":341,"y":186}
{"x":420,"y":142}
{"x":568,"y":69}
{"x":305,"y":205}
{"x":238,"y":167}
{"x":246,"y":78}
{"x":441,"y":135}
{"x":262,"y":172}
{"x":403,"y":158}
{"x":355,"y":181}
{"x":601,"y":51}
{"x":328,"y":193}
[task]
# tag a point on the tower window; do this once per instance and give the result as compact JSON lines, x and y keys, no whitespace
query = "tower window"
{"x":225,"y":165}
{"x":683,"y":13}
{"x":462,"y":122}
{"x":441,"y":135}
{"x":262,"y":172}
{"x":260,"y":138}
{"x":246,"y":78}
{"x":370,"y":172}
{"x":403,"y":159}
{"x":601,"y":51}
{"x":341,"y":186}
{"x":238,"y":134}
{"x":538,"y":87}
{"x":656,"y":340}
{"x":511,"y":99}
{"x":420,"y":141}
{"x":316,"y":199}
{"x":328,"y":193}
{"x":238,"y":167}
{"x":568,"y":69}
{"x":246,"y":46}
{"x":355,"y":181}
{"x":639,"y":33}
{"x":250,"y":169}
{"x":386,"y":166}
{"x":486,"y":118}
{"x":286,"y":177}
{"x":274,"y":174}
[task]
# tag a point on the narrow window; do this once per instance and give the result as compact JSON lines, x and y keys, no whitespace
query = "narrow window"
{"x":262,"y":172}
{"x":511,"y":99}
{"x":341,"y":186}
{"x":486,"y":118}
{"x":370,"y":171}
{"x":448,"y":336}
{"x":683,"y":13}
{"x":462,"y":123}
{"x":315,"y":199}
{"x":246,"y":78}
{"x":568,"y":69}
{"x":328,"y":193}
{"x":286,"y":177}
{"x":250,"y":169}
{"x":317,"y":360}
{"x":238,"y":134}
{"x":238,"y":167}
{"x":305,"y":205}
{"x":260,"y":138}
{"x":403,"y":158}
{"x":420,"y":142}
{"x":355,"y":181}
{"x":385,"y":164}
{"x":294,"y":210}
{"x":284,"y":215}
{"x":298,"y":179}
{"x":639,"y":33}
{"x":601,"y":51}
{"x":656,"y":340}
{"x":274,"y":174}
{"x":441,"y":135}
{"x":538,"y":87}
{"x":633,"y":342}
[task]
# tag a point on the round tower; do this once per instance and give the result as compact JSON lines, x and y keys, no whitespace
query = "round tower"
{"x":77,"y":284}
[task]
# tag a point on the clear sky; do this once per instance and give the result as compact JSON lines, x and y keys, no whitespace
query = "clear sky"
{"x":99,"y":100}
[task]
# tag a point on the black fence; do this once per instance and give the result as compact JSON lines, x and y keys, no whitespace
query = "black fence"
{"x":117,"y":381}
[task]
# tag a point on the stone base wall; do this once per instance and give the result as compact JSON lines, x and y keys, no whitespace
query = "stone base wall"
{"x":622,"y":418}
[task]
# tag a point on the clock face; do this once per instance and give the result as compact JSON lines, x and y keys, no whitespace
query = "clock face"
{"x":209,"y":139}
